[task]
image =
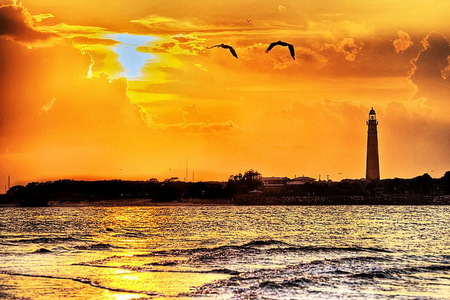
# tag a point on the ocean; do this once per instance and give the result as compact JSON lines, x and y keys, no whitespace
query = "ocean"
{"x":225,"y":252}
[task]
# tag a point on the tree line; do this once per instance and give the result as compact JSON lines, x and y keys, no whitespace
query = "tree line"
{"x":238,"y":185}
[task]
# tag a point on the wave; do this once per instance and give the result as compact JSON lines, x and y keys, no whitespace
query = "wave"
{"x":295,"y":283}
{"x":259,"y":243}
{"x":42,"y":250}
{"x":377,"y":275}
{"x":223,"y":271}
{"x":99,"y":246}
{"x":162,"y":264}
{"x":431,"y":268}
{"x":397,"y":273}
{"x":132,"y":234}
{"x":98,"y":261}
{"x":46,"y":240}
{"x":352,"y":260}
{"x":254,"y":248}
{"x":7,"y":244}
{"x":328,"y":249}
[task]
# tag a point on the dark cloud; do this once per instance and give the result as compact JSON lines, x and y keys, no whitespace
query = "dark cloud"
{"x":432,"y":60}
{"x":16,"y":23}
{"x":412,"y":142}
{"x":429,"y":71}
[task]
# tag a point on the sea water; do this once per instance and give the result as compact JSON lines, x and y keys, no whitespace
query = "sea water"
{"x":225,"y":252}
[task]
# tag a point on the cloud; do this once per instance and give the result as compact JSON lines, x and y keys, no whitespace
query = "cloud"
{"x":432,"y":61}
{"x":403,"y":42}
{"x":160,"y":24}
{"x":41,"y":17}
{"x":282,"y":8}
{"x":93,"y":41}
{"x":77,"y":110}
{"x":192,"y":115}
{"x":179,"y":44}
{"x":201,"y":67}
{"x":164,"y":116}
{"x":349,"y":48}
{"x":429,"y":72}
{"x":413,"y":141}
{"x":48,"y":106}
{"x":340,"y":28}
{"x":201,"y":127}
{"x":446,"y":72}
{"x":68,"y":29}
{"x":212,"y":27}
{"x":17,"y":24}
{"x":182,"y":38}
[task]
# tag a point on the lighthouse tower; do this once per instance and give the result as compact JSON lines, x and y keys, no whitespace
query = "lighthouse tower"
{"x":372,"y":166}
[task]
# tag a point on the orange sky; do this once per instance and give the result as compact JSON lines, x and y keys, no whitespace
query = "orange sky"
{"x":107,"y":89}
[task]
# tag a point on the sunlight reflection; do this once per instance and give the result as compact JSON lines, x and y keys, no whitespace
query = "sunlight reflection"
{"x":122,"y":271}
{"x":124,"y":296}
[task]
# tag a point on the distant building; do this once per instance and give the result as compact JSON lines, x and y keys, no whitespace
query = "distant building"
{"x":274,"y":181}
{"x":300,"y":180}
{"x":372,"y":163}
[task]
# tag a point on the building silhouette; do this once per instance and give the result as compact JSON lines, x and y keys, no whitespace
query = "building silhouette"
{"x":372,"y":164}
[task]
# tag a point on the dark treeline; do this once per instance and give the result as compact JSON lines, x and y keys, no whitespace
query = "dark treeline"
{"x":420,"y":185}
{"x":38,"y":194}
{"x":244,"y":188}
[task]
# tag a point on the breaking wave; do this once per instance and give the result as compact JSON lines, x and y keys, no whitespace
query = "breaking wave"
{"x":46,"y":240}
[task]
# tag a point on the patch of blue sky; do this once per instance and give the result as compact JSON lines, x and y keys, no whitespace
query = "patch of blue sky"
{"x":131,"y":59}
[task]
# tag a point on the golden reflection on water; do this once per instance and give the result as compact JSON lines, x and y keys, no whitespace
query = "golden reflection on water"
{"x":134,"y":285}
{"x":123,"y":296}
{"x":165,"y":283}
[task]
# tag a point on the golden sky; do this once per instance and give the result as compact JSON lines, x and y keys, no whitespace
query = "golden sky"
{"x":128,"y":89}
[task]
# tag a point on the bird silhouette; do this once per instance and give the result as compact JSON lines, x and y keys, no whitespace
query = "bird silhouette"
{"x":291,"y":47}
{"x":248,"y":21}
{"x":233,"y":52}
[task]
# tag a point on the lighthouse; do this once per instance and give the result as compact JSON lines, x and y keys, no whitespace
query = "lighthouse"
{"x":372,"y":165}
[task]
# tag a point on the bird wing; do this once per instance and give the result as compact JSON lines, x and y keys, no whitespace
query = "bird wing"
{"x":271,"y":46}
{"x":233,"y":52}
{"x":213,"y":46}
{"x":291,"y":49}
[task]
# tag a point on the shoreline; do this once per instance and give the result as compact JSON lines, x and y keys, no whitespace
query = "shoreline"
{"x":251,"y":201}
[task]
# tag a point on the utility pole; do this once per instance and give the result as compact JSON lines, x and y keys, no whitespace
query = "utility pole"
{"x":187,"y":162}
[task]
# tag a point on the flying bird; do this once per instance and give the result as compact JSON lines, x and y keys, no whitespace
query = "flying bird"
{"x":291,"y":47}
{"x":248,"y":21}
{"x":233,"y":52}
